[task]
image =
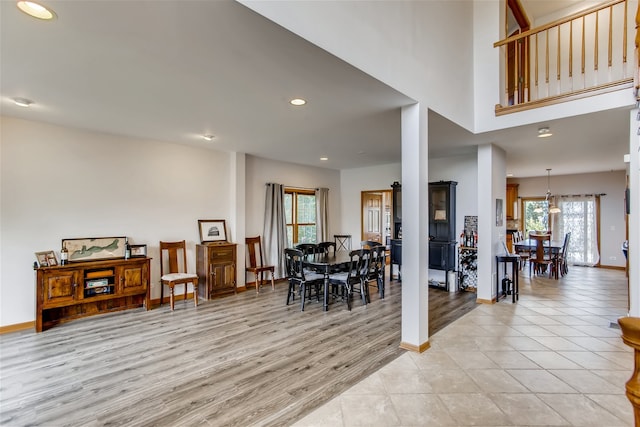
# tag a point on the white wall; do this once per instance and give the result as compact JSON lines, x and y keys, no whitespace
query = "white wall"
{"x":612,"y":218}
{"x":352,"y":183}
{"x":62,"y":183}
{"x":463,"y":170}
{"x":399,"y":43}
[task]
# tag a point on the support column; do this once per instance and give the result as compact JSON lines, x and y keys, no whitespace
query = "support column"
{"x":492,"y":172}
{"x":634,"y":216}
{"x":415,"y":242}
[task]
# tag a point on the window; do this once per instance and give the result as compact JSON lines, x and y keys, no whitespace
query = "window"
{"x":300,"y":215}
{"x":536,"y":215}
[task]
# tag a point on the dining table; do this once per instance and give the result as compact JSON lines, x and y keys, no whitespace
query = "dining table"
{"x":327,"y":263}
{"x":554,"y":246}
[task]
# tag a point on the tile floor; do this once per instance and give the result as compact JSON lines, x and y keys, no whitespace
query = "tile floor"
{"x":550,"y":359}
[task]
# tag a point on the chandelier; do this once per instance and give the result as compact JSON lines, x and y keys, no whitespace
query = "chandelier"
{"x":548,"y":198}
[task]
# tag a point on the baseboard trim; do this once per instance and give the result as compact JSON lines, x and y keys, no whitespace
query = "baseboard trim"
{"x":485,"y":301}
{"x":415,"y":348}
{"x":612,"y":267}
{"x":16,"y":327}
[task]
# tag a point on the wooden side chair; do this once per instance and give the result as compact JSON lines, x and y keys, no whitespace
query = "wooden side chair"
{"x":174,"y":271}
{"x":256,"y":264}
{"x":542,"y":259}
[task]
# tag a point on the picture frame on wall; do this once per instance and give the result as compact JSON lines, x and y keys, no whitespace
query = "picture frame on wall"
{"x":499,"y":215}
{"x":139,"y":251}
{"x":212,"y":230}
{"x":46,"y":259}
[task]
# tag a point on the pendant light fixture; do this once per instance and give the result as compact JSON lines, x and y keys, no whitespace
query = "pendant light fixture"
{"x":552,"y":208}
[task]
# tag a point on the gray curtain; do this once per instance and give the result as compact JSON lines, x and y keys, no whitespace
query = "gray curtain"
{"x":275,"y":229}
{"x":322,"y":215}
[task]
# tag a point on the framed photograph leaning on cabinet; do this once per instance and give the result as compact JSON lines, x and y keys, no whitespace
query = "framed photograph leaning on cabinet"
{"x":138,"y":250}
{"x":212,"y":230}
{"x":46,"y":259}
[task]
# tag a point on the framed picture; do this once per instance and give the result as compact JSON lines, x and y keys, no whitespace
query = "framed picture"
{"x":138,"y":250}
{"x":499,"y":217}
{"x":46,"y":259}
{"x":212,"y":230}
{"x":89,"y":249}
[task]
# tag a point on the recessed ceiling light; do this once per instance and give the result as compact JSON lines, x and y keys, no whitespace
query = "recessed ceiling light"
{"x":36,"y":10}
{"x":208,"y":137}
{"x":544,"y":132}
{"x":509,"y":175}
{"x":22,"y":102}
{"x":324,"y":158}
{"x":297,"y":102}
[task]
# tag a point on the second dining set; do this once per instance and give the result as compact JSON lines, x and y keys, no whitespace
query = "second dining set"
{"x":543,"y":253}
{"x":319,"y":270}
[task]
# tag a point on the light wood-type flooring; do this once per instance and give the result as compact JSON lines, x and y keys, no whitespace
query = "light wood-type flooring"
{"x":241,"y":360}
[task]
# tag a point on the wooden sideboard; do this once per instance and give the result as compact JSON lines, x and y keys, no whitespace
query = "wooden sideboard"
{"x":82,"y":289}
{"x":216,"y":269}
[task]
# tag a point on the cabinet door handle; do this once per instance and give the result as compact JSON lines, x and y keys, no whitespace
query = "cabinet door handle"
{"x":75,"y":288}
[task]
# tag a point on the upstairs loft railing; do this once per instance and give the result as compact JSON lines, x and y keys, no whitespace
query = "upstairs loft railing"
{"x":584,"y":54}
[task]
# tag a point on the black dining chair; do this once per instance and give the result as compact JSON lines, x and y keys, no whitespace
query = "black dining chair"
{"x":306,"y":281}
{"x":307,"y":248}
{"x":377,"y":267}
{"x":327,"y":247}
{"x":354,"y":279}
{"x":561,"y":263}
{"x":369,"y":244}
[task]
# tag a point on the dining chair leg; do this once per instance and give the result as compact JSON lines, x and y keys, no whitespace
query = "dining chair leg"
{"x":303,"y":295}
{"x":273,"y":286}
{"x":171,"y":297}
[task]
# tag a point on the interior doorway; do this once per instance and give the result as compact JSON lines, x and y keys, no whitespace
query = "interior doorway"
{"x":376,"y":216}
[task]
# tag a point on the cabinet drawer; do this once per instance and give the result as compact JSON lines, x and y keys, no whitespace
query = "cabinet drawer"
{"x":222,"y":255}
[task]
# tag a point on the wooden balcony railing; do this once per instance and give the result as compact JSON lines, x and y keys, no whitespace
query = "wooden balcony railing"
{"x":578,"y":56}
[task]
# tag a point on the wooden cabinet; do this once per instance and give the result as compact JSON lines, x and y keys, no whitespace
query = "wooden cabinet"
{"x":82,"y":289}
{"x":216,"y":269}
{"x":512,"y":199}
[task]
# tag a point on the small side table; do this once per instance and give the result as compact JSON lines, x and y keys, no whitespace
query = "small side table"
{"x":515,"y":261}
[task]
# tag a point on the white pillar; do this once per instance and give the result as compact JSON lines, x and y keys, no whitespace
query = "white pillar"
{"x":492,"y":172}
{"x":415,"y":242}
{"x":634,"y":217}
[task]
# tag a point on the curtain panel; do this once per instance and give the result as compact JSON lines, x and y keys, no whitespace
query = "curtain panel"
{"x":275,"y":229}
{"x":578,"y":215}
{"x":322,"y":215}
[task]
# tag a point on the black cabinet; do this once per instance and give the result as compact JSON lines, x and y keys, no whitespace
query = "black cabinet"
{"x":396,"y":256}
{"x":396,"y":194}
{"x":442,"y":211}
{"x":442,"y":226}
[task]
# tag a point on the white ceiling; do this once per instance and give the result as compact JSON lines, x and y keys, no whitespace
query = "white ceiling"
{"x":174,"y":70}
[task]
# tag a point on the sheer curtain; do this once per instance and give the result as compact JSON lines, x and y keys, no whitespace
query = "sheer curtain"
{"x":275,"y":229}
{"x":578,"y":215}
{"x":322,"y":215}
